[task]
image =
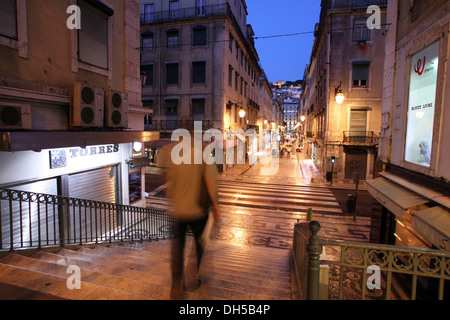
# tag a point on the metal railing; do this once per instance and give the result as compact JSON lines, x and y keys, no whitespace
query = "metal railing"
{"x":170,"y":125}
{"x":360,"y":138}
{"x":348,"y":270}
{"x":184,"y":13}
{"x":34,"y":220}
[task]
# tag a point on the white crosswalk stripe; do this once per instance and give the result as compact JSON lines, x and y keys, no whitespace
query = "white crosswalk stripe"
{"x":279,"y":197}
{"x":265,"y":214}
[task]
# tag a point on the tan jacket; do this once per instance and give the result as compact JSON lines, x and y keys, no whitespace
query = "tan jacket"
{"x":186,"y":185}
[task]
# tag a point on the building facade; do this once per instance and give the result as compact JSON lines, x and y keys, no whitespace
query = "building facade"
{"x":346,"y":59}
{"x":70,"y":100}
{"x":201,"y":65}
{"x":414,"y":186}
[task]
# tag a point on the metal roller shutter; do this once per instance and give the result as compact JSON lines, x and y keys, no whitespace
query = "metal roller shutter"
{"x":98,"y":185}
{"x":31,"y":221}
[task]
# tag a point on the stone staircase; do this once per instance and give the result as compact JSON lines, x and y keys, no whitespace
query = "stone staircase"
{"x":140,"y":271}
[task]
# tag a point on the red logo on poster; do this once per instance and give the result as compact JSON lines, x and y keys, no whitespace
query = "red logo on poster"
{"x":420,"y":66}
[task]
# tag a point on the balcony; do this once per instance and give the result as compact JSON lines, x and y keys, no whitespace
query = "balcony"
{"x":360,"y":138}
{"x":185,"y":14}
{"x":170,"y":125}
{"x":253,"y":104}
{"x":338,"y":4}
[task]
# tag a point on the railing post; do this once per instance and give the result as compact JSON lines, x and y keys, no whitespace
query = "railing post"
{"x":314,"y":249}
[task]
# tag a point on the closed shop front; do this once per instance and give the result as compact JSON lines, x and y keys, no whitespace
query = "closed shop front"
{"x":99,"y":185}
{"x":83,"y":175}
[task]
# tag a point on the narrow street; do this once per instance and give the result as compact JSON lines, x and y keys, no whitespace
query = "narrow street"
{"x":261,"y":210}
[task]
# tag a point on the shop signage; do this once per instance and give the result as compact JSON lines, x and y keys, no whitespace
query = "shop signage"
{"x":421,"y":108}
{"x":59,"y":158}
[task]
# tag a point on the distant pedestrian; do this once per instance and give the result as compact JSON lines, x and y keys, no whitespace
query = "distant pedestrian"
{"x":193,"y":190}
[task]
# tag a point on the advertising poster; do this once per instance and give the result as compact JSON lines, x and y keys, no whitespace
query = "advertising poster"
{"x":421,"y":108}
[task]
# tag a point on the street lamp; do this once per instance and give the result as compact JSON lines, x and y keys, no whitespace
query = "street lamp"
{"x":340,"y":94}
{"x":302,"y":118}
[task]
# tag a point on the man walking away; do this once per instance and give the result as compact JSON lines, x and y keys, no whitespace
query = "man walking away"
{"x":192,"y":189}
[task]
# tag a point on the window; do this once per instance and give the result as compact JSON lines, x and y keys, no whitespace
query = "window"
{"x":199,"y":36}
{"x":237,"y":51}
{"x":201,"y":7}
{"x":361,"y":74}
{"x":358,"y":122}
{"x":230,"y":42}
{"x":230,"y":76}
{"x":172,"y":73}
{"x":148,"y":119}
{"x":148,"y":70}
{"x":198,"y":106}
{"x":173,"y":9}
{"x":149,"y":13}
{"x":242,"y":85}
{"x":148,"y":104}
{"x":93,"y":36}
{"x":171,"y":107}
{"x":173,"y":38}
{"x":199,"y":72}
{"x":236,"y":80}
{"x":147,"y":41}
{"x":8,"y":18}
{"x":360,"y":30}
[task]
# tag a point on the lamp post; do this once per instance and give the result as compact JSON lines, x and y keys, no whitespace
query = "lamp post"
{"x":339,"y":94}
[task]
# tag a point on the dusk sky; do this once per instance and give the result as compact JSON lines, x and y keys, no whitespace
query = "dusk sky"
{"x":283,"y":58}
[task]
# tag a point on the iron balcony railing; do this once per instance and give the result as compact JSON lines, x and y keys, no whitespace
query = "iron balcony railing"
{"x":360,"y":138}
{"x":339,"y":270}
{"x":34,"y":220}
{"x":170,"y":125}
{"x":353,"y":4}
{"x":184,"y":14}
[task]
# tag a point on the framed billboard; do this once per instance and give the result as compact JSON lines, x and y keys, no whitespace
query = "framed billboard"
{"x":421,"y":106}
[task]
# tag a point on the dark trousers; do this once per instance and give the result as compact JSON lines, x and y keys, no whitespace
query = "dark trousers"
{"x":179,"y":244}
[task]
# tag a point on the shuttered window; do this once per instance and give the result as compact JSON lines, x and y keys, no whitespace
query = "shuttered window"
{"x":172,"y":73}
{"x":93,"y":36}
{"x":361,"y":74}
{"x":358,"y":120}
{"x":199,"y":72}
{"x":8,"y":18}
{"x":199,"y":36}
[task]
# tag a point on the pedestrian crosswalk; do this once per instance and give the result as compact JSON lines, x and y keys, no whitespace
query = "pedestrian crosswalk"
{"x":263,"y":214}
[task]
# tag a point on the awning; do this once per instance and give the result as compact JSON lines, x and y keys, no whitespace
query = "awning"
{"x":434,"y":225}
{"x":43,"y":140}
{"x":396,"y":199}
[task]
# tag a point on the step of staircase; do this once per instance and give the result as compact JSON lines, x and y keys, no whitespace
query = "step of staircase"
{"x":142,"y":270}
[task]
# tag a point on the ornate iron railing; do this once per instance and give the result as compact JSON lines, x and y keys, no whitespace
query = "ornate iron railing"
{"x":184,"y":13}
{"x":360,"y":138}
{"x":351,"y":271}
{"x":33,"y":220}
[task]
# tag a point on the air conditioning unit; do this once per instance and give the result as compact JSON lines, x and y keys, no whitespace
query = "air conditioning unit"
{"x":15,"y":116}
{"x":116,"y":109}
{"x":86,"y":105}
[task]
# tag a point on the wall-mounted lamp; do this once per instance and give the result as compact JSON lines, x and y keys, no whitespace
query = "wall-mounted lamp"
{"x":340,"y":94}
{"x":242,"y":113}
{"x":302,"y":118}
